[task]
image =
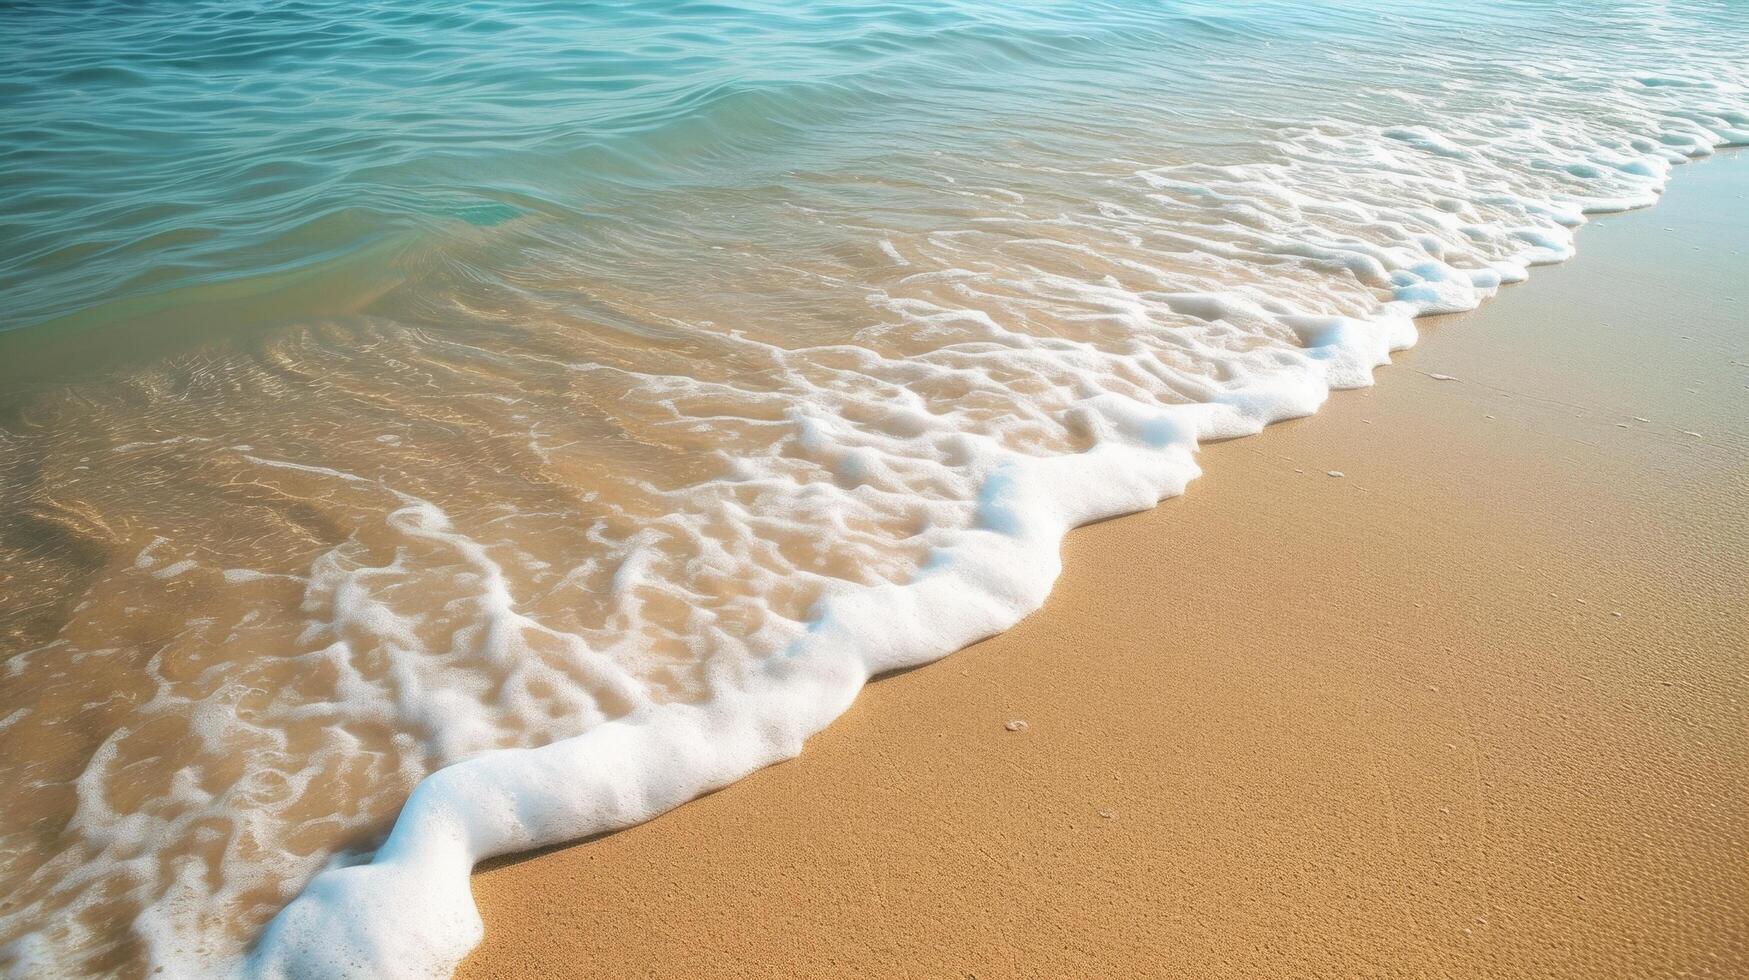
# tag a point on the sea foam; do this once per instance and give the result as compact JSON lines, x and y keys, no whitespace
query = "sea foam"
{"x":410,"y":913}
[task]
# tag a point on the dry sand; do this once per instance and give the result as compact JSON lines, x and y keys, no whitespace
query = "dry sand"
{"x":1474,"y":708}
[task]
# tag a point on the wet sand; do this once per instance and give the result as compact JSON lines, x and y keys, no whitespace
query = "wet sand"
{"x":1475,"y":707}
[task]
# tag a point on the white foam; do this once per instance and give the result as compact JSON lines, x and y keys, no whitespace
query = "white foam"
{"x":409,"y":911}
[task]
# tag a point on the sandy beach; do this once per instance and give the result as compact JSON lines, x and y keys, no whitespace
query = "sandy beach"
{"x":686,"y":475}
{"x":1447,"y":680}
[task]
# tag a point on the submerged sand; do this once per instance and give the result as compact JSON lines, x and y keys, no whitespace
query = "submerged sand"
{"x":1474,"y":707}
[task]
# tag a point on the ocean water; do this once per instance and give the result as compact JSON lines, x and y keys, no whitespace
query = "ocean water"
{"x":430,"y":431}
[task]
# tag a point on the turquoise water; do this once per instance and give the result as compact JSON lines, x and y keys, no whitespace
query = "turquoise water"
{"x":160,"y":147}
{"x":152,"y":148}
{"x":429,"y":432}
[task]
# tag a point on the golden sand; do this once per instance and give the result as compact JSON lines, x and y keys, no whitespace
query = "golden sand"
{"x":1475,"y":707}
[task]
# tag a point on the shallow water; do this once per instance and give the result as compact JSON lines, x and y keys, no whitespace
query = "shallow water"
{"x":386,"y":386}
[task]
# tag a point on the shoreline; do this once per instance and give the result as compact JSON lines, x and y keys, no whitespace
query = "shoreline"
{"x":925,"y":849}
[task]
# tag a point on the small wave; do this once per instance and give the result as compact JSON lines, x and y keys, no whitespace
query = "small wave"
{"x":527,"y":418}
